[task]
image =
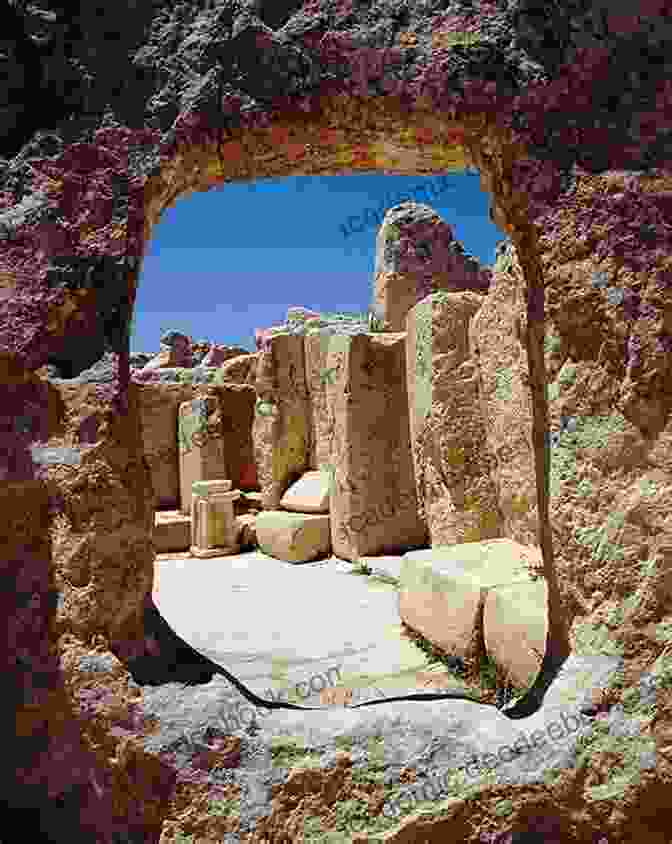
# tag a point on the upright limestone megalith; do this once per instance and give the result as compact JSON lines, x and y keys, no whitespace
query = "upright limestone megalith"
{"x":417,"y":254}
{"x":454,"y":470}
{"x":373,"y":504}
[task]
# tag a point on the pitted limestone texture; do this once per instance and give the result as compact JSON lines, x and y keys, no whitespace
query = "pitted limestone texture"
{"x":167,"y":100}
{"x":416,"y":255}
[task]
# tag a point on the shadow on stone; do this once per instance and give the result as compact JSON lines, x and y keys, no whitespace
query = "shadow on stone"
{"x":172,"y":660}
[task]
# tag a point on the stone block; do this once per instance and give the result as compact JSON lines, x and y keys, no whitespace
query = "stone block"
{"x":213,"y":527}
{"x":496,"y":337}
{"x":318,"y":375}
{"x":158,"y":406}
{"x":172,"y":531}
{"x":373,"y":503}
{"x":514,"y":628}
{"x":310,"y":494}
{"x":281,"y":429}
{"x":201,"y":442}
{"x":442,"y":590}
{"x":236,"y":410}
{"x":293,"y":537}
{"x":453,"y":464}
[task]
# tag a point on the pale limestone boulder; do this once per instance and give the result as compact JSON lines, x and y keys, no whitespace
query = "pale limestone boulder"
{"x":514,"y":629}
{"x":172,"y":531}
{"x":373,"y":504}
{"x":454,"y":468}
{"x":281,"y":429}
{"x":310,"y":494}
{"x":417,"y":254}
{"x":293,"y":537}
{"x":442,"y":590}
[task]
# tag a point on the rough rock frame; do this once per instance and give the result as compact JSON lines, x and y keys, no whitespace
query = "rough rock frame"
{"x":111,"y":115}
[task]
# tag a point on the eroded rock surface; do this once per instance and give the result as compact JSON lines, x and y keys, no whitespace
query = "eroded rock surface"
{"x":164,"y":100}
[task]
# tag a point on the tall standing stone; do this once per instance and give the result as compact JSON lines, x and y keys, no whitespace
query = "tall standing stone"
{"x":281,"y":429}
{"x":454,"y":468}
{"x":373,"y":504}
{"x":416,"y":254}
{"x":201,"y":445}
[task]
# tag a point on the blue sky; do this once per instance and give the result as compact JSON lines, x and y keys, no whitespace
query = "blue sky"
{"x":224,"y":262}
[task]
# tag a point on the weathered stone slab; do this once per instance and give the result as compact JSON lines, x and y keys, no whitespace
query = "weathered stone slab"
{"x":281,"y":429}
{"x":172,"y":531}
{"x":310,"y":494}
{"x":158,"y":407}
{"x":373,"y":503}
{"x":236,"y":403}
{"x":293,"y":537}
{"x":496,"y":339}
{"x":442,"y":590}
{"x":454,"y":468}
{"x":514,"y":628}
{"x":201,"y":443}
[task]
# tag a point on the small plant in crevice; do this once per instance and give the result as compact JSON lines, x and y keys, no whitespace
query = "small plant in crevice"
{"x":362,"y":568}
{"x":384,"y":577}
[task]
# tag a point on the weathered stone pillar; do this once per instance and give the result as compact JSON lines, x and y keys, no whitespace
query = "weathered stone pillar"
{"x":213,"y":528}
{"x":373,"y":503}
{"x":496,"y":336}
{"x":201,"y":443}
{"x":281,"y":429}
{"x":454,"y":470}
{"x":416,"y":254}
{"x":159,"y":405}
{"x":316,"y":347}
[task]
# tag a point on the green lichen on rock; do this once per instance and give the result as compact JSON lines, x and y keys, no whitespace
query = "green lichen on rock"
{"x":585,"y":488}
{"x":423,"y":357}
{"x":289,"y":752}
{"x":596,"y":641}
{"x":591,"y":432}
{"x":635,"y":751}
{"x":190,"y":424}
{"x":598,"y":539}
{"x":225,"y":808}
{"x":567,"y":375}
{"x":504,"y":807}
{"x":391,"y":231}
{"x":504,"y":384}
{"x":552,"y":344}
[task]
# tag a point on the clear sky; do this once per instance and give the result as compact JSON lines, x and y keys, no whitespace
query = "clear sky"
{"x":224,"y":262}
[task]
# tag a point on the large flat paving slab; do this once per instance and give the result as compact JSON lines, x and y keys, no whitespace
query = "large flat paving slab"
{"x":299,"y":628}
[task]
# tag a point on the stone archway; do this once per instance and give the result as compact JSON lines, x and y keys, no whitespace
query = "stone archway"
{"x":178,"y":105}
